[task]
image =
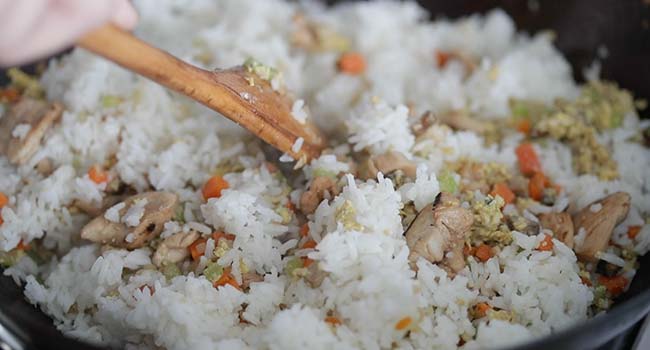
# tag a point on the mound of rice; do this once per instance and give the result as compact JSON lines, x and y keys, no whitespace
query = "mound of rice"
{"x":157,"y":140}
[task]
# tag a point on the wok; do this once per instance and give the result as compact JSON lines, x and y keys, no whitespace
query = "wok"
{"x":582,"y":26}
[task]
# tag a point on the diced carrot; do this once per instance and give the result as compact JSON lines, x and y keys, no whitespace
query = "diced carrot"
{"x":271,"y":167}
{"x":226,"y":278}
{"x":334,"y":321}
{"x":197,"y":248}
{"x":3,"y":200}
{"x":352,"y":63}
{"x":290,"y":206}
{"x":9,"y":94}
{"x":310,"y":244}
{"x":536,"y":186}
{"x":502,"y":190}
{"x":233,"y":282}
{"x":483,"y":252}
{"x":304,"y":230}
{"x":403,"y":323}
{"x":633,"y":231}
{"x":216,"y":236}
{"x":214,"y":186}
{"x":546,"y":244}
{"x":615,"y":285}
{"x":528,"y":162}
{"x":523,"y":126}
{"x":97,"y":174}
{"x":306,"y":261}
{"x":481,"y":309}
{"x":442,"y":58}
{"x":23,"y":246}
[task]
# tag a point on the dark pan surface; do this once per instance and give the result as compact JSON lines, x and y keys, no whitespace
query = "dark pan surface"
{"x":623,"y":26}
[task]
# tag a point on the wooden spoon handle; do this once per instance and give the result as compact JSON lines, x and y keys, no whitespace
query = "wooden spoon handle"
{"x":134,"y":54}
{"x":267,"y":116}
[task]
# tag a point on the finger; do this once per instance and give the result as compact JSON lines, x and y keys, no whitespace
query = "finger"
{"x":17,"y":18}
{"x":124,"y":14}
{"x":60,"y":24}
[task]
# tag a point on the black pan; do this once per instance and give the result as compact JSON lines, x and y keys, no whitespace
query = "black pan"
{"x":623,"y":26}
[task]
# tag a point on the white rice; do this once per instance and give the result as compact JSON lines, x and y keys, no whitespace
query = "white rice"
{"x":297,"y":145}
{"x":20,"y":131}
{"x":113,"y":213}
{"x":134,"y":213}
{"x":158,"y":141}
{"x":298,"y":112}
{"x":611,"y":258}
{"x":594,"y":208}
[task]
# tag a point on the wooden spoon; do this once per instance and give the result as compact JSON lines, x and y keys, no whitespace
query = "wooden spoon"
{"x":257,"y":107}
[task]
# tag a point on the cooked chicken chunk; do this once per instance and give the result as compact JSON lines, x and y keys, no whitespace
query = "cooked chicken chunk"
{"x":159,"y":209}
{"x":174,"y":248}
{"x":598,"y":219}
{"x":439,"y":232}
{"x":321,"y":187}
{"x":388,"y":163}
{"x":561,"y":224}
{"x":35,"y":117}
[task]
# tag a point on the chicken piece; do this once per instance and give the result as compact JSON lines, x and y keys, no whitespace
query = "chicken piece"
{"x":461,"y":120}
{"x":36,"y":115}
{"x":519,"y":185}
{"x":45,"y":167}
{"x":439,"y":232}
{"x":519,"y":223}
{"x":315,"y":37}
{"x":599,"y":224}
{"x":388,"y":163}
{"x":96,"y":209}
{"x":250,"y":277}
{"x":174,"y":248}
{"x":159,"y":209}
{"x":315,"y":275}
{"x":320,"y":188}
{"x":561,"y":224}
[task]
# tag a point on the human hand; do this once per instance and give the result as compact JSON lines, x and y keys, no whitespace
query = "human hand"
{"x":33,"y":29}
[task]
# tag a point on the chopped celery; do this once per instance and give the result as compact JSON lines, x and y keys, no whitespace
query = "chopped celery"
{"x":263,"y":71}
{"x":213,"y":272}
{"x":447,"y":182}
{"x":170,"y":271}
{"x":110,"y":101}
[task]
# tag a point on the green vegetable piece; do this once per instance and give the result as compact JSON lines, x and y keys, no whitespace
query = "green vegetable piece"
{"x":170,"y":271}
{"x":11,"y":258}
{"x":111,"y":101}
{"x":519,"y":110}
{"x":179,"y":214}
{"x":284,"y":213}
{"x":213,"y":272}
{"x":261,"y":70}
{"x":447,"y":182}
{"x":30,"y":85}
{"x":293,"y":265}
{"x":320,"y":172}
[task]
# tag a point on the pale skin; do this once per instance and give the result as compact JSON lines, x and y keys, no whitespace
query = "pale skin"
{"x":34,"y":29}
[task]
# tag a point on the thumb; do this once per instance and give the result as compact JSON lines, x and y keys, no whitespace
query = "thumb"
{"x":124,"y":15}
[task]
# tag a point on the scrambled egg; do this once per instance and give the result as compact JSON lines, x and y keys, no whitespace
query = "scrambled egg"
{"x":347,"y":215}
{"x":488,"y":219}
{"x":589,"y":156}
